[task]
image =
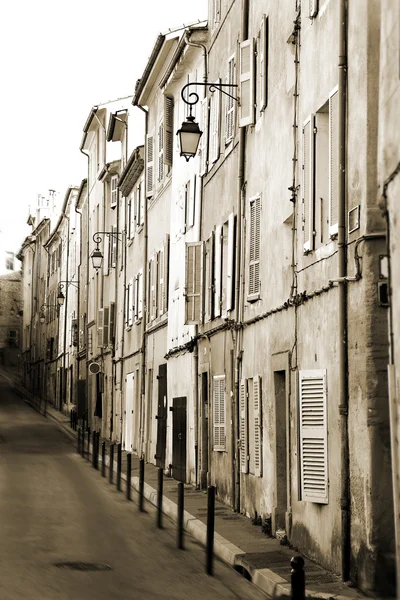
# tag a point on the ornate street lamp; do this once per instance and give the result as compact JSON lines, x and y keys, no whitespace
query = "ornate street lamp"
{"x":97,"y":255}
{"x":42,"y":316}
{"x":60,"y":296}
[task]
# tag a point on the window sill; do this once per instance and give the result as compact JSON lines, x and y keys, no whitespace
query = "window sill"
{"x":253,"y":297}
{"x":139,"y":228}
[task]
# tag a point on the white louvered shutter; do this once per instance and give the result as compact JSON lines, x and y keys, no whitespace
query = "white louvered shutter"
{"x":243,"y":428}
{"x":140,"y":294}
{"x":194,"y":288}
{"x":161,"y":294}
{"x":114,"y":190}
{"x":130,"y":302}
{"x":246,"y":112}
{"x":217,"y":271}
{"x":127,"y":305}
{"x":107,"y":251}
{"x":313,"y":8}
{"x":209,"y":278}
{"x":161,"y":151}
{"x":263,"y":54}
{"x":230,"y":275}
{"x":215,"y":113}
{"x":133,"y":214}
{"x":254,"y":250}
{"x":313,"y":436}
{"x":150,"y":165}
{"x":219,"y":413}
{"x":112,"y":322}
{"x":153,"y":287}
{"x":106,"y":326}
{"x":135,"y":304}
{"x":113,"y":248}
{"x":308,"y":184}
{"x":100,"y":321}
{"x":204,"y":138}
{"x":168,"y":129}
{"x":230,"y":103}
{"x":334,"y":167}
{"x":257,"y":408}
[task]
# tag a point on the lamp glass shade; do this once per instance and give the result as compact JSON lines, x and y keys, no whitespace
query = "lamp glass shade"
{"x":97,"y":259}
{"x":42,"y":318}
{"x":60,"y":298}
{"x":189,"y":137}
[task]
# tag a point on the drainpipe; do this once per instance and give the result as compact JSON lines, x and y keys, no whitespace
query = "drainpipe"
{"x":79,"y":296}
{"x":144,"y":296}
{"x":87,"y":275}
{"x":239,"y":302}
{"x":65,"y":310}
{"x":342,"y":292}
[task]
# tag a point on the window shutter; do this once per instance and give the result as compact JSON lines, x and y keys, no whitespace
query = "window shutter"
{"x":168,"y":129}
{"x":230,"y":103}
{"x":106,"y":326}
{"x":161,"y":151}
{"x":194,"y":276}
{"x":254,"y":254}
{"x":166,"y":273}
{"x":192,"y":201}
{"x":308,"y":184}
{"x":230,"y":265}
{"x":215,"y":102}
{"x":135,"y":298}
{"x":114,"y":190}
{"x":263,"y":63}
{"x":112,"y":322}
{"x":150,"y":165}
{"x":219,"y":427}
{"x":127,"y":305}
{"x":161,"y":264}
{"x":313,"y":436}
{"x":334,"y":167}
{"x":246,"y":83}
{"x":204,"y":137}
{"x":133,"y":214}
{"x":130,"y":302}
{"x":100,"y":321}
{"x":140,"y":294}
{"x":141,"y":204}
{"x":243,"y":428}
{"x":113,"y":246}
{"x":313,"y":8}
{"x":216,"y":11}
{"x":107,"y":250}
{"x":153,"y":287}
{"x":257,"y":408}
{"x":210,"y":278}
{"x":217,"y":271}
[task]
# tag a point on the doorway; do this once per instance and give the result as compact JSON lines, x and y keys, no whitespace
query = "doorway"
{"x":281,"y":490}
{"x":204,"y":467}
{"x":161,"y":416}
{"x":179,"y":438}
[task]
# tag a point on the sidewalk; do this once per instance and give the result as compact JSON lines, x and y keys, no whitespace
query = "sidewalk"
{"x":237,"y":542}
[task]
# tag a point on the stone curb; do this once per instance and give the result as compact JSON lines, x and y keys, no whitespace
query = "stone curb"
{"x":269,"y":582}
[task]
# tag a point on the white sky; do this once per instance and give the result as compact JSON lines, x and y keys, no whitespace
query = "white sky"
{"x":58,"y":59}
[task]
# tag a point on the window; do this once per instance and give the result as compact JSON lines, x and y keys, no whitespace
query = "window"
{"x":100,"y":322}
{"x":203,"y":145}
{"x":113,"y":247}
{"x":194,"y":279}
{"x":139,"y":205}
{"x":263,"y":64}
{"x":163,"y":257}
{"x":253,"y":290}
{"x":230,"y":103}
{"x":219,"y":414}
{"x":160,"y":171}
{"x":138,"y":296}
{"x":13,"y":338}
{"x":320,"y":175}
{"x":130,"y":218}
{"x":313,"y":436}
{"x":190,"y":202}
{"x":209,"y":278}
{"x":9,"y":261}
{"x":152,"y":289}
{"x":215,"y":12}
{"x":168,"y":130}
{"x":246,"y":83}
{"x":150,"y":166}
{"x":215,"y":114}
{"x":313,"y":8}
{"x":129,"y":304}
{"x":114,"y":191}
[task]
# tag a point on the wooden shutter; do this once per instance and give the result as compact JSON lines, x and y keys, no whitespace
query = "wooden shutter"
{"x":219,"y":416}
{"x":106,"y":326}
{"x":166,"y":273}
{"x":114,"y":190}
{"x":133,"y":214}
{"x":215,"y":113}
{"x":153,"y":287}
{"x":313,"y":8}
{"x":210,"y":277}
{"x":263,"y":63}
{"x":141,"y":204}
{"x":150,"y":165}
{"x":204,"y":138}
{"x":140,"y":294}
{"x":194,"y":288}
{"x":113,"y":248}
{"x":217,"y":271}
{"x":129,"y":411}
{"x":230,"y":276}
{"x":308,"y":183}
{"x":135,"y":298}
{"x":112,"y":322}
{"x":230,"y":103}
{"x":313,"y":436}
{"x":257,"y":409}
{"x":161,"y":265}
{"x":127,"y":305}
{"x":254,"y":250}
{"x":161,"y":151}
{"x":334,"y":167}
{"x":100,"y":321}
{"x":107,"y":250}
{"x":168,"y":129}
{"x":243,"y":427}
{"x":246,"y":83}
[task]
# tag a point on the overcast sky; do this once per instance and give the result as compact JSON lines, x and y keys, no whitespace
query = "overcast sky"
{"x":58,"y":59}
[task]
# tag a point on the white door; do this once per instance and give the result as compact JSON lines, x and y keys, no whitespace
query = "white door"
{"x":129,"y":389}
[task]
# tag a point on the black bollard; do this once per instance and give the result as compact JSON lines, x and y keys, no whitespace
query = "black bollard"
{"x":75,"y":420}
{"x":96,"y":460}
{"x":297,"y":578}
{"x":180,"y":515}
{"x":82,"y":442}
{"x":88,"y":443}
{"x":79,"y":441}
{"x":111,"y":467}
{"x":70,"y":418}
{"x":128,"y":476}
{"x":94,"y":437}
{"x":159,"y":497}
{"x":119,"y":465}
{"x":103,"y":459}
{"x":141,"y":484}
{"x":210,"y":529}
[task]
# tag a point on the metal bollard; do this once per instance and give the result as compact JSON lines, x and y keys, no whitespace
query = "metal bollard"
{"x":75,"y":420}
{"x":78,"y":449}
{"x":159,"y":497}
{"x":82,"y":442}
{"x":297,"y":578}
{"x":96,"y":460}
{"x":210,"y":529}
{"x":103,"y":459}
{"x":111,"y":466}
{"x":128,"y":476}
{"x":180,"y":515}
{"x":94,"y":437}
{"x":70,"y":418}
{"x":141,"y":484}
{"x":88,"y":443}
{"x":119,"y":465}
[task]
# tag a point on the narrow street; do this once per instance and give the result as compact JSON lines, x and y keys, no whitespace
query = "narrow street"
{"x":56,"y":509}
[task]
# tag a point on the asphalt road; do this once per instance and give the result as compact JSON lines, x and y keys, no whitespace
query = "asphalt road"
{"x":55,"y":508}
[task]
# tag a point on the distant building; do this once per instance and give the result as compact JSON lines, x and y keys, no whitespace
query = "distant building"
{"x":8,"y":260}
{"x":10,"y":317}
